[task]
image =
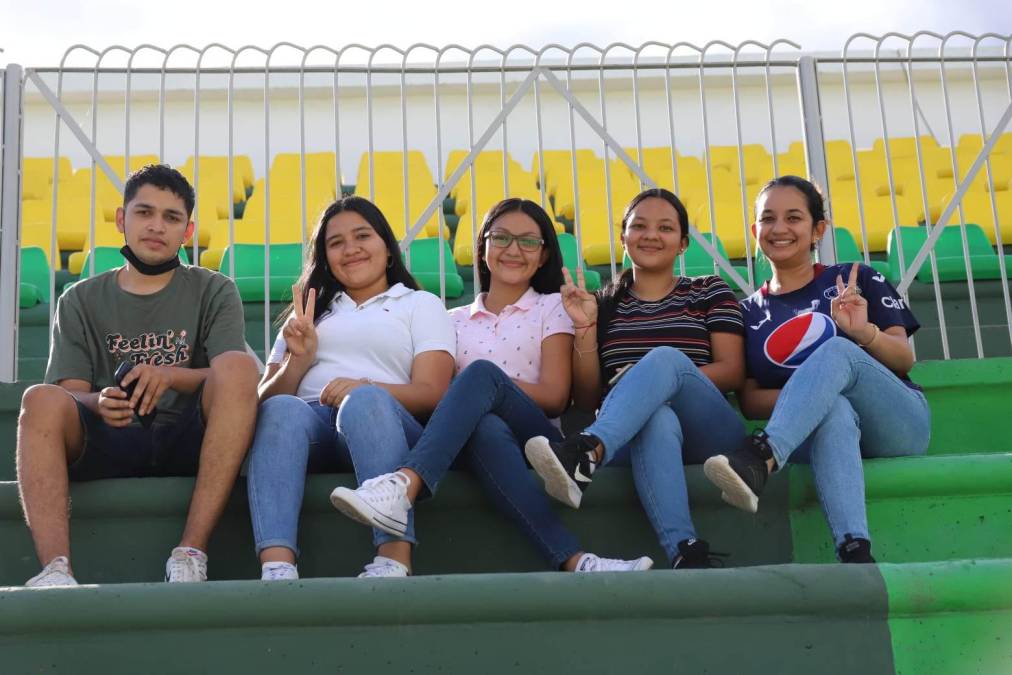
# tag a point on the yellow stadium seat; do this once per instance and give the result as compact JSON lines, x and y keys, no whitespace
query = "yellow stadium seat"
{"x":731,"y":222}
{"x":215,"y":170}
{"x":106,"y":234}
{"x":904,"y":146}
{"x":72,"y":221}
{"x":37,"y":176}
{"x":38,"y":233}
{"x":972,"y":143}
{"x":321,"y":172}
{"x":977,"y":209}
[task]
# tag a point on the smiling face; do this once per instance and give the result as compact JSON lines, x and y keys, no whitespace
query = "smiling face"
{"x":512,"y":265}
{"x":356,"y":255}
{"x":653,"y":235}
{"x":154,"y":223}
{"x":784,"y":227}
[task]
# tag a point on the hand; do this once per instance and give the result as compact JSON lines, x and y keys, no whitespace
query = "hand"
{"x":337,"y":389}
{"x":849,"y":309}
{"x":152,"y":382}
{"x":114,"y":408}
{"x":580,"y":305}
{"x":299,"y":331}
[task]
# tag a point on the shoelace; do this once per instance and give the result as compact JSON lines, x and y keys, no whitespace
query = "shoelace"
{"x":387,"y":487}
{"x":180,"y":566}
{"x":275,"y":573}
{"x":377,"y":569}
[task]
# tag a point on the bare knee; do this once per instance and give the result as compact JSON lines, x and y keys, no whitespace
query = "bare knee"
{"x":48,"y":403}
{"x":233,"y":375}
{"x":49,"y":412}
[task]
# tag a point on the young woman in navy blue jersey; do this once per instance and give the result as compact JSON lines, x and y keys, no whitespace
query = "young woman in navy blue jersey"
{"x":827,"y":358}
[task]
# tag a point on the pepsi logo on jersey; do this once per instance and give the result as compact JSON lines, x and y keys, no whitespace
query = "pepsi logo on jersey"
{"x":794,"y":340}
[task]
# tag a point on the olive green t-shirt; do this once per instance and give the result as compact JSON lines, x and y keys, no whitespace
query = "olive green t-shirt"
{"x":197,"y":316}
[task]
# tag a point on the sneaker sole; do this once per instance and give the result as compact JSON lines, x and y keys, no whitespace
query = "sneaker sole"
{"x":558,"y":484}
{"x":350,"y":504}
{"x":734,"y":491}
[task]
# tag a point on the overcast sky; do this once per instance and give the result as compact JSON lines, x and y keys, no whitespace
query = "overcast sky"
{"x":37,"y":32}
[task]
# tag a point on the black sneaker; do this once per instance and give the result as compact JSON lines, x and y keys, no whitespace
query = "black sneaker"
{"x":566,"y":467}
{"x":854,"y":550}
{"x":741,"y":475}
{"x":695,"y":554}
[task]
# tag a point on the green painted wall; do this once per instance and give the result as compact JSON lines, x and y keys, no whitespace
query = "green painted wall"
{"x":951,"y":618}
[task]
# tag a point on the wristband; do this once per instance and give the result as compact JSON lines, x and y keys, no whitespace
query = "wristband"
{"x":589,"y":325}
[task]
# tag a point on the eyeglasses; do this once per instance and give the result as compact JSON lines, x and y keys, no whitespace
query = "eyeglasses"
{"x":524,"y":241}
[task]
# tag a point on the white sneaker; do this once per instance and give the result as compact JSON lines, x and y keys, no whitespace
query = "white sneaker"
{"x":186,"y":565}
{"x":384,"y":567}
{"x":278,"y":571}
{"x":380,"y":502}
{"x":589,"y":562}
{"x":56,"y":573}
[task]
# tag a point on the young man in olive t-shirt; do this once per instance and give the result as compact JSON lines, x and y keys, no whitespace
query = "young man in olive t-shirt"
{"x":181,"y":328}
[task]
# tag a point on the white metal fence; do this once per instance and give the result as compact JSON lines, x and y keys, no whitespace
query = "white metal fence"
{"x":711,"y":122}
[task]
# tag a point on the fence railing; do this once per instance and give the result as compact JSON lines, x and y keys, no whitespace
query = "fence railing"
{"x":711,"y":122}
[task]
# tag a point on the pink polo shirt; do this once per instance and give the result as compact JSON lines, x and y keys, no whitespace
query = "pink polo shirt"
{"x":511,"y":339}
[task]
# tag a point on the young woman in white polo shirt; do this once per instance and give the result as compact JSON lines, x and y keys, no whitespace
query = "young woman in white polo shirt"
{"x":361,"y":356}
{"x":513,"y":359}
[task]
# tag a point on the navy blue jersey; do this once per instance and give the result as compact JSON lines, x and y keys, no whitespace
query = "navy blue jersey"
{"x":781,"y":331}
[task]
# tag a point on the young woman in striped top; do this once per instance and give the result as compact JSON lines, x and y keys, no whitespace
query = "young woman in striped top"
{"x":660,"y":350}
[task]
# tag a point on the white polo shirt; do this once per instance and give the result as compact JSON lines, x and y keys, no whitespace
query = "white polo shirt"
{"x":377,"y":340}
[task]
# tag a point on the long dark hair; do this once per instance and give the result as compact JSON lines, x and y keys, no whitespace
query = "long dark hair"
{"x":813,"y":196}
{"x":316,"y":273}
{"x":609,"y":296}
{"x":548,"y":278}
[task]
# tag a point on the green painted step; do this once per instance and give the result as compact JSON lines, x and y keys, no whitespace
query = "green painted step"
{"x":950,"y":618}
{"x":920,"y":509}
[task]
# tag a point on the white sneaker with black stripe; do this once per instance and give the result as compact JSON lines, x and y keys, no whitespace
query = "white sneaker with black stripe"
{"x":380,"y":502}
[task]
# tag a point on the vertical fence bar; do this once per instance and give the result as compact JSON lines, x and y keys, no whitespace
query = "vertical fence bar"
{"x":673,"y":147}
{"x":473,"y":208}
{"x":962,"y":217}
{"x":999,"y":244}
{"x":574,"y":165}
{"x":815,"y":143}
{"x":11,"y":151}
{"x":928,"y":225}
{"x":858,"y":195}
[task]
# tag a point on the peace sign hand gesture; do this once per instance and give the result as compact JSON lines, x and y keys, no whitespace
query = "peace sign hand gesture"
{"x":298,"y":330}
{"x":580,"y":305}
{"x":849,"y":309}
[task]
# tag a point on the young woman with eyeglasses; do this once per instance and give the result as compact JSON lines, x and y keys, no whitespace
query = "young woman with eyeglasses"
{"x":514,"y":374}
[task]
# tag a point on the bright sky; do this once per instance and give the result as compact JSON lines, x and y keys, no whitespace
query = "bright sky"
{"x":37,"y":32}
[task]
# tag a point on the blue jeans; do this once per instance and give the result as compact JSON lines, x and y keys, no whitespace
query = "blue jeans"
{"x":488,"y":417}
{"x":665,"y":412}
{"x":368,"y":432}
{"x":841,"y":405}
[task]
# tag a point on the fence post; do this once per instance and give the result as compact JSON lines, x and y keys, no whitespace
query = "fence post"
{"x":10,"y":212}
{"x":815,"y":145}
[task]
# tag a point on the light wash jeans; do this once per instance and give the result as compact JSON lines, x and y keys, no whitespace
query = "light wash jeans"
{"x":664,"y":413}
{"x":489,"y":418}
{"x":840,"y":405}
{"x":369,"y":432}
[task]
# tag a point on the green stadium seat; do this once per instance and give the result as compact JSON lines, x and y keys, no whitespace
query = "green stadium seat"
{"x":571,"y":259}
{"x":286,"y":267}
{"x":425,"y":266}
{"x":28,"y":296}
{"x":847,"y":251}
{"x":948,"y":254}
{"x":109,"y":257}
{"x":35,"y":272}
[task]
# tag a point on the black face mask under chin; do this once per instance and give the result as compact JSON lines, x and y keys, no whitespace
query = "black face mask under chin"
{"x":145,"y":268}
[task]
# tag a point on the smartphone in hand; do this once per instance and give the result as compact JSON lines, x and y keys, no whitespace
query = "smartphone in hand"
{"x":121,"y":372}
